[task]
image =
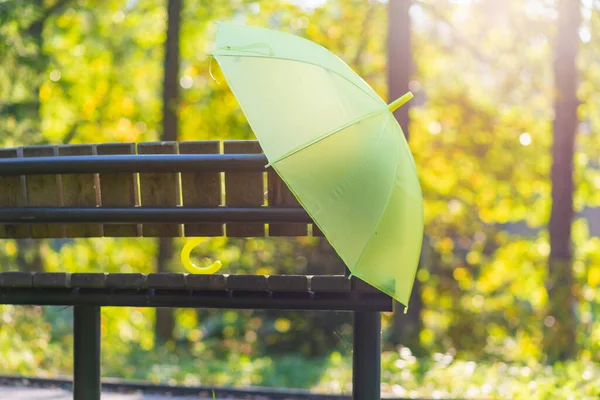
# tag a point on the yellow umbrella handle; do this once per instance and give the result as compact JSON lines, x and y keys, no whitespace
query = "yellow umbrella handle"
{"x":394,"y":105}
{"x":193,"y":268}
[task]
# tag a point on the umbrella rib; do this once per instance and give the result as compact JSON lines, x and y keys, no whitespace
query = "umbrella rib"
{"x":387,"y":201}
{"x":326,"y":135}
{"x":376,"y":98}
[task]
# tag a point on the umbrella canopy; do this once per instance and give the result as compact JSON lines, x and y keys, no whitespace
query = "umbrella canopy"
{"x":337,"y":146}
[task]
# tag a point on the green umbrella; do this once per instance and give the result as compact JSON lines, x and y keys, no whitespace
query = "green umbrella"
{"x":337,"y":146}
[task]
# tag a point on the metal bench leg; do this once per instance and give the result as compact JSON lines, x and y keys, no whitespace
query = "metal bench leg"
{"x":86,"y":338}
{"x":366,"y":363}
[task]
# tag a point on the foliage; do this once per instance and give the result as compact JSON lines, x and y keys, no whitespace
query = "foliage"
{"x":28,"y":346}
{"x":481,"y":135}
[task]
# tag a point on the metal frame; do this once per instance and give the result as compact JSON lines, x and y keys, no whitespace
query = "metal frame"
{"x":350,"y":301}
{"x":133,"y":163}
{"x":141,"y":215}
{"x":366,"y":359}
{"x":366,"y":307}
{"x":86,"y":353}
{"x":366,"y":363}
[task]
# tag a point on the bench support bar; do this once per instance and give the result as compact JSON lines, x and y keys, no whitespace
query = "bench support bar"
{"x":86,"y":365}
{"x":366,"y":361}
{"x":196,"y":299}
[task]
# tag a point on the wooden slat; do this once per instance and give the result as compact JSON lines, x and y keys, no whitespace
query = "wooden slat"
{"x":127,"y":281}
{"x":330,"y":283}
{"x":16,"y":279}
{"x":280,"y":195}
{"x":201,"y":189}
{"x":79,"y":190}
{"x":288,"y":283}
{"x":118,"y":190}
{"x":362,"y":286}
{"x":159,"y":190}
{"x":12,"y":194}
{"x":57,"y":280}
{"x":88,"y":280}
{"x":244,"y":189}
{"x":206,"y":282}
{"x":250,"y":283}
{"x":166,"y":281}
{"x":43,"y":191}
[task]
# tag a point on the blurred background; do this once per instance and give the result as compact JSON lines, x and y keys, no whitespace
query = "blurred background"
{"x":504,"y":127}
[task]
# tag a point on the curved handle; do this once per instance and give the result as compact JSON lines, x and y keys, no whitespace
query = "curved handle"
{"x":193,"y":268}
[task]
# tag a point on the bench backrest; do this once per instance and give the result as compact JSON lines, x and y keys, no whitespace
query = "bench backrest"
{"x":199,"y":188}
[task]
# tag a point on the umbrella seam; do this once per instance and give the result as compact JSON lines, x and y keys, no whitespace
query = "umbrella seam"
{"x":358,"y":274}
{"x":312,"y":216}
{"x":376,"y":97}
{"x":387,"y":201}
{"x":326,"y":135}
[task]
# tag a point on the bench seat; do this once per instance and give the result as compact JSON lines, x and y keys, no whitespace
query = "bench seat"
{"x":320,"y":292}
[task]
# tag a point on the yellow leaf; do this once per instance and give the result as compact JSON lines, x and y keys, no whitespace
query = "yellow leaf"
{"x":460,"y":273}
{"x":594,"y":275}
{"x":282,"y":325}
{"x":45,"y":92}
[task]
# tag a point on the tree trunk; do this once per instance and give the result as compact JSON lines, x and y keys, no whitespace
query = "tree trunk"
{"x":171,"y":72}
{"x":29,"y":257}
{"x":399,"y":56}
{"x":559,"y":338}
{"x":165,"y":319}
{"x":406,"y":327}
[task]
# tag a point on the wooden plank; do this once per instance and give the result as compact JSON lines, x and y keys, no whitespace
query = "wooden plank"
{"x":247,"y":283}
{"x":330,"y":283}
{"x":88,"y":280}
{"x":16,"y":279}
{"x":12,"y":194}
{"x":43,"y":191}
{"x":362,"y":286}
{"x":127,"y":281}
{"x":201,"y":189}
{"x":206,"y":282}
{"x":56,"y":280}
{"x":79,"y":190}
{"x":244,"y":189}
{"x":288,"y":283}
{"x":118,"y":190}
{"x":159,"y":190}
{"x":280,"y":195}
{"x":166,"y":280}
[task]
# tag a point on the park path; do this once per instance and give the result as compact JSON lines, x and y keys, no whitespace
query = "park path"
{"x":22,"y":393}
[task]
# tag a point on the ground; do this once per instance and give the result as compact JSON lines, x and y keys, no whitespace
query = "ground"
{"x":22,"y":393}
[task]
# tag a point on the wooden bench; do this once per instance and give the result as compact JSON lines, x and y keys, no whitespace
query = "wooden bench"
{"x":167,"y":189}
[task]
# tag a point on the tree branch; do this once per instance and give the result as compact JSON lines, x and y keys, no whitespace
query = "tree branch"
{"x":36,"y":25}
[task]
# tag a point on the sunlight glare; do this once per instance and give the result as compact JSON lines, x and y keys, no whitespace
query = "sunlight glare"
{"x":308,"y":4}
{"x":55,"y":75}
{"x":186,"y":81}
{"x":525,"y":139}
{"x":435,"y":127}
{"x":585,"y":34}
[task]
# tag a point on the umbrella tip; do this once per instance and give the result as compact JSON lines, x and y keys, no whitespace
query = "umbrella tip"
{"x":393,"y":106}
